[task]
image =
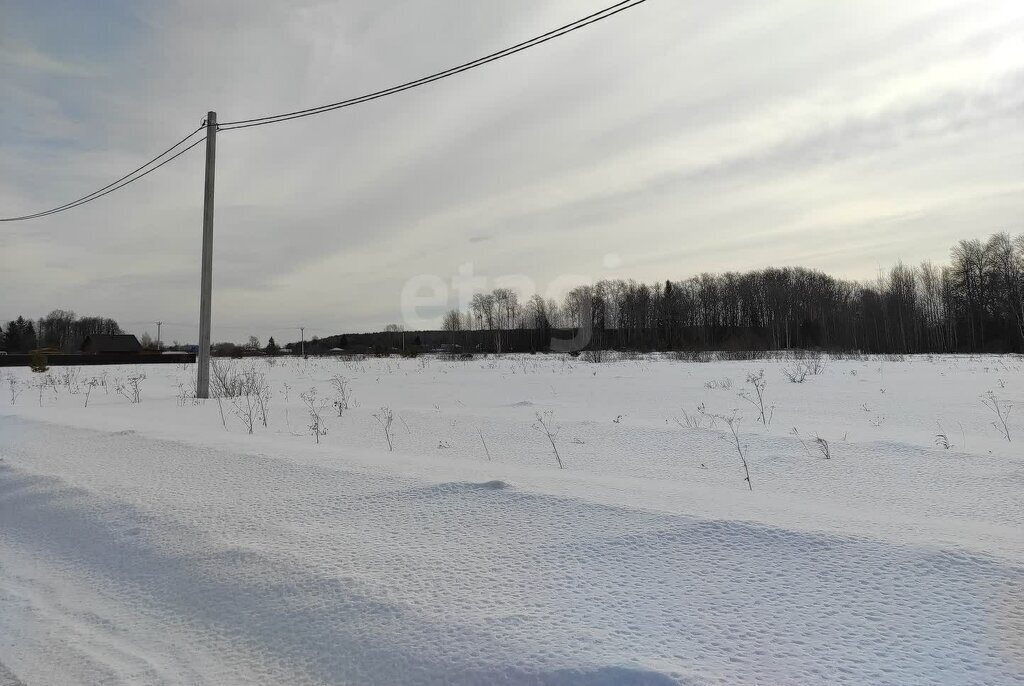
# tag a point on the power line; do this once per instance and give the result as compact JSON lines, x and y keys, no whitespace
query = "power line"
{"x":134,"y":175}
{"x":543,"y":38}
{"x":117,"y":184}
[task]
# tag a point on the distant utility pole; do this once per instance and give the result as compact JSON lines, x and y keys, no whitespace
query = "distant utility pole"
{"x":302,"y":345}
{"x":206,"y":280}
{"x":158,"y":324}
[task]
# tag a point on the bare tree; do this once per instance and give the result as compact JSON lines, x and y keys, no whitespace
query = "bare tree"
{"x":452,"y":323}
{"x":483,"y":309}
{"x":396,"y":329}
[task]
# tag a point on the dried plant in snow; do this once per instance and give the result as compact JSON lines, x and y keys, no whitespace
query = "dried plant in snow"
{"x":244,"y":407}
{"x":795,"y":374}
{"x":1002,"y":409}
{"x":220,"y":406}
{"x":342,"y":393}
{"x":130,"y":387}
{"x":758,"y":384}
{"x":733,"y":422}
{"x":15,"y":386}
{"x":942,"y":438}
{"x":816,"y":365}
{"x":823,"y":447}
{"x":315,"y":408}
{"x":263,"y":401}
{"x":385,"y":417}
{"x":545,"y":424}
{"x":486,"y":451}
{"x":697,"y":421}
{"x":245,"y":387}
{"x":90,"y":384}
{"x":68,"y":377}
{"x":407,"y":429}
{"x":287,"y":418}
{"x":801,"y":439}
{"x":225,"y":379}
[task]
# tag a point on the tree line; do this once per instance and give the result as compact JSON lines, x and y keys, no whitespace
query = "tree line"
{"x":60,"y":330}
{"x":973,"y":304}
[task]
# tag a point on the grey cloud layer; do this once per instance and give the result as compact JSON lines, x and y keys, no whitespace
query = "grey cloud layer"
{"x":682,"y":137}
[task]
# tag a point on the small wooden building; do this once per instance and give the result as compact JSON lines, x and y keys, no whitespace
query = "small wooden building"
{"x":109,"y":343}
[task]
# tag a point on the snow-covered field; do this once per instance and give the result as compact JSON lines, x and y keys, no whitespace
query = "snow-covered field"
{"x":160,"y":543}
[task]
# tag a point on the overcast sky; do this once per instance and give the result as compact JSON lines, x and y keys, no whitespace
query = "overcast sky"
{"x":675,"y":138}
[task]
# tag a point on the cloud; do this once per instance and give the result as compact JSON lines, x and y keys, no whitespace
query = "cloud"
{"x":29,"y":59}
{"x":683,"y":137}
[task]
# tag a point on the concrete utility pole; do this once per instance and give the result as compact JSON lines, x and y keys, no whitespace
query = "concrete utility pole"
{"x":302,"y":345}
{"x":158,"y":325}
{"x":206,"y":282}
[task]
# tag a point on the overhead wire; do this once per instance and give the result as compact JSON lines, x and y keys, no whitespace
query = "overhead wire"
{"x":112,"y":186}
{"x":135,"y":174}
{"x":452,"y":71}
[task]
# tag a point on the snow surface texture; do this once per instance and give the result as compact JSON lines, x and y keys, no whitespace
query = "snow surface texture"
{"x":147,"y":544}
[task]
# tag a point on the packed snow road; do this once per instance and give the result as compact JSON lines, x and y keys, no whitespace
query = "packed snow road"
{"x":128,"y":559}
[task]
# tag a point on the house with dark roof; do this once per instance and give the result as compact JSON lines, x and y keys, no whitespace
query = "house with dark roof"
{"x":109,"y":343}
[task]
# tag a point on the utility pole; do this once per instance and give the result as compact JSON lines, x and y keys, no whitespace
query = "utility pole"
{"x":302,"y":345}
{"x":158,"y":325}
{"x":206,"y":281}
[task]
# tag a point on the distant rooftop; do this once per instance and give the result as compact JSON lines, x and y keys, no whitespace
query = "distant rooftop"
{"x":111,"y":343}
